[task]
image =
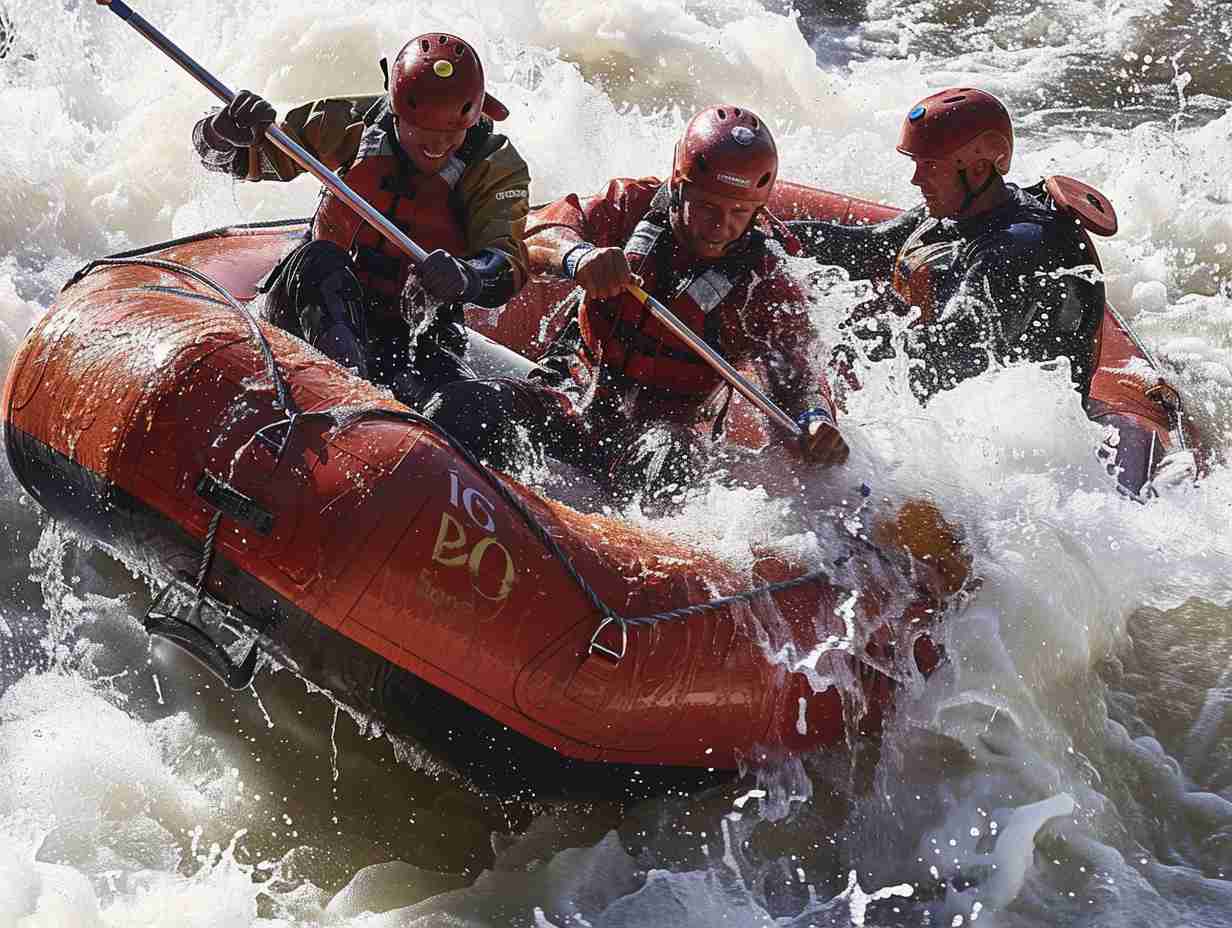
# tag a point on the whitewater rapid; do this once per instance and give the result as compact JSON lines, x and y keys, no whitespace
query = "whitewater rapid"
{"x":1071,"y":764}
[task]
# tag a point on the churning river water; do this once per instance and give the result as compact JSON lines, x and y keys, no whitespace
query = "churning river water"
{"x":1071,"y":765}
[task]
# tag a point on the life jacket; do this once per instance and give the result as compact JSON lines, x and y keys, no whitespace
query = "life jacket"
{"x":919,"y":266}
{"x":927,"y":271}
{"x":922,"y":267}
{"x":632,"y":344}
{"x":424,"y":206}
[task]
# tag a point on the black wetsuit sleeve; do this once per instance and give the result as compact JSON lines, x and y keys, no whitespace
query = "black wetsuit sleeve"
{"x":866,"y":252}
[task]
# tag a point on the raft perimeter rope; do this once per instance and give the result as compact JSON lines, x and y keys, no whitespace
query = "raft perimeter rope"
{"x":267,"y":354}
{"x":344,"y":417}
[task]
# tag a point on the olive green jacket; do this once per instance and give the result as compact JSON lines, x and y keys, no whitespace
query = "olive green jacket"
{"x":492,"y":193}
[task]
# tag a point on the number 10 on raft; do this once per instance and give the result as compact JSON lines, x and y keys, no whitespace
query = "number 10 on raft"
{"x":451,"y":537}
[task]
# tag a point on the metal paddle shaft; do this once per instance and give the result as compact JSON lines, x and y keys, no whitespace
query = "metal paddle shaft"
{"x":294,"y":150}
{"x":738,"y":381}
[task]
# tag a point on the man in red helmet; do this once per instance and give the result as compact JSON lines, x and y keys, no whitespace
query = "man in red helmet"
{"x":998,"y":273}
{"x":618,"y":395}
{"x":425,"y":154}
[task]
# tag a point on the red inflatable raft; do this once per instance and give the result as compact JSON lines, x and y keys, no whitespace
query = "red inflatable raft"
{"x":277,"y":495}
{"x":288,"y":498}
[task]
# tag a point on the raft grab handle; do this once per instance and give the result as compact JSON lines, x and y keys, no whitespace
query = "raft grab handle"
{"x":194,"y":642}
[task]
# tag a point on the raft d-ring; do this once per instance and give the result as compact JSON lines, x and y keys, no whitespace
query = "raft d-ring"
{"x":278,"y":446}
{"x":603,"y":649}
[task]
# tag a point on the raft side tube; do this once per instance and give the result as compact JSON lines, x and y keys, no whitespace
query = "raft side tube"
{"x":135,"y":387}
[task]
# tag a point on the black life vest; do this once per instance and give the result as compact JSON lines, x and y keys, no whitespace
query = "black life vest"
{"x":924,"y":269}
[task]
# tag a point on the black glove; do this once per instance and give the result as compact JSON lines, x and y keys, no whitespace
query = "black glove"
{"x":447,"y":279}
{"x":820,"y":440}
{"x":241,"y":122}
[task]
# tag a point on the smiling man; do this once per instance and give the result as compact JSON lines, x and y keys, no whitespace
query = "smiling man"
{"x":618,"y":395}
{"x":425,"y":155}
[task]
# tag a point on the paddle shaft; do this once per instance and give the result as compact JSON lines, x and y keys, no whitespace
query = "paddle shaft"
{"x":280,"y":139}
{"x":738,"y":381}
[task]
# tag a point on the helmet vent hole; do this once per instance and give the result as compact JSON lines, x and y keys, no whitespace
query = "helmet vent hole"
{"x":458,"y":49}
{"x":722,"y":114}
{"x":765,"y":179}
{"x":466,"y":107}
{"x":442,"y":40}
{"x":756,"y":124}
{"x":954,"y":99}
{"x":701,"y":162}
{"x":426,"y":45}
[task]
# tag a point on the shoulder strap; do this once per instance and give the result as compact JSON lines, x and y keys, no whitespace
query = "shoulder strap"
{"x":649,"y":236}
{"x":378,"y":136}
{"x":473,"y":149}
{"x":476,"y":140}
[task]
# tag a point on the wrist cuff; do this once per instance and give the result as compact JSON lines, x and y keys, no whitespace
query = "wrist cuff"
{"x":474,"y":283}
{"x":573,"y":257}
{"x":817,"y":414}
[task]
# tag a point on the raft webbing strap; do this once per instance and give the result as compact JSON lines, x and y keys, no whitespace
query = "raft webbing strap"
{"x":345,"y":416}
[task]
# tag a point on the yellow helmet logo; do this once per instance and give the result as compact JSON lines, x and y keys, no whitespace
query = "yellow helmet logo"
{"x":443,"y":68}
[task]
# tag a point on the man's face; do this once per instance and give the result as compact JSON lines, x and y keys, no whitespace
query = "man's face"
{"x":941,"y":185}
{"x":709,"y":222}
{"x":428,"y":149}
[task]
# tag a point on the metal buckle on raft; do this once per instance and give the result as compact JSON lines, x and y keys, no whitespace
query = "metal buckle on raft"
{"x":603,"y":649}
{"x":276,"y":436}
{"x":194,"y":642}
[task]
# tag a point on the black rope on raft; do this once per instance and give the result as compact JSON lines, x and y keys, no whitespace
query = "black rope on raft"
{"x":780,"y":586}
{"x":267,"y":354}
{"x":343,"y":417}
{"x":207,"y":557}
{"x":555,"y":550}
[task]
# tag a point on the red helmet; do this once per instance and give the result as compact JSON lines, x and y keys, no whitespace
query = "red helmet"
{"x":962,"y":125}
{"x":729,"y":151}
{"x":437,"y":83}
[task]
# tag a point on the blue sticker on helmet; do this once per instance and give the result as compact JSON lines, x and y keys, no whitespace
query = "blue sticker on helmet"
{"x":916,"y":113}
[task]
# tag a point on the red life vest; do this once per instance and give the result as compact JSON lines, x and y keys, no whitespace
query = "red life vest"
{"x":621,"y":333}
{"x":421,"y":205}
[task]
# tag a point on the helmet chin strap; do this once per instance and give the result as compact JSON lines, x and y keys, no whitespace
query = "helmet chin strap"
{"x":969,"y":195}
